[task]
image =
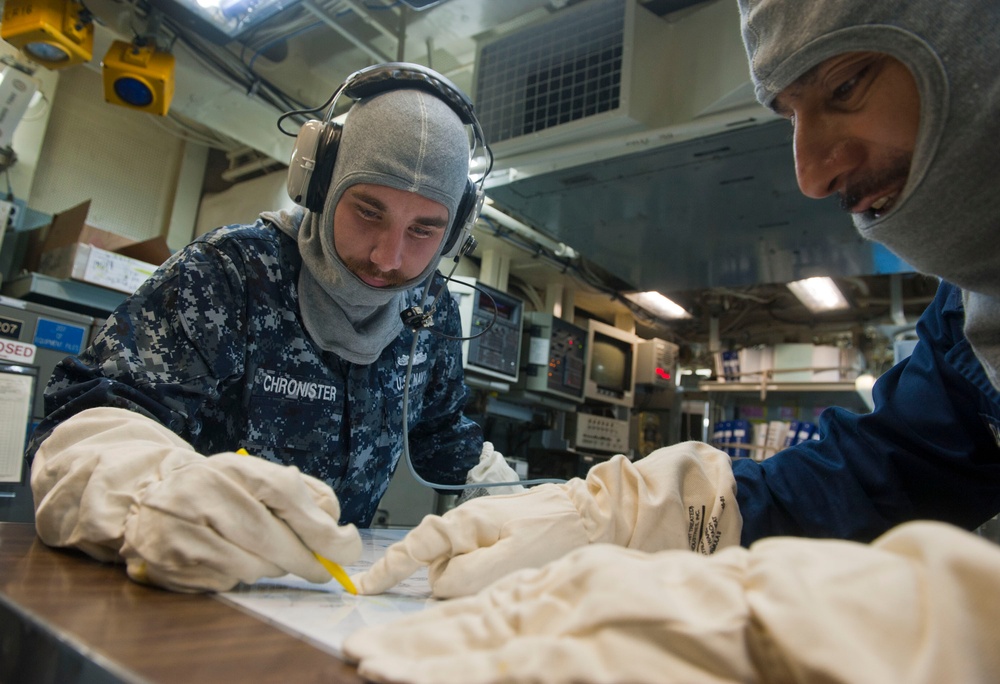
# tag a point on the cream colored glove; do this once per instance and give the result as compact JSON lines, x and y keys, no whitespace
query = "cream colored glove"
{"x":679,"y":497}
{"x":492,"y":467}
{"x":120,"y":486}
{"x":918,"y":606}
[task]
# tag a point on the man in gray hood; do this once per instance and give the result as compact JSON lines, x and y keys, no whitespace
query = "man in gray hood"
{"x":281,"y":339}
{"x":895,"y":107}
{"x":896,"y":111}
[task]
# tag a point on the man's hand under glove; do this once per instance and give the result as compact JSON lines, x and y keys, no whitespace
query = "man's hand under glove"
{"x":216,"y":521}
{"x":679,"y":497}
{"x":118,"y":485}
{"x":492,"y":468}
{"x":917,"y":606}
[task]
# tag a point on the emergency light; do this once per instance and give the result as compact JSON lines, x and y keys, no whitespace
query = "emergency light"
{"x":53,"y":33}
{"x":138,"y":77}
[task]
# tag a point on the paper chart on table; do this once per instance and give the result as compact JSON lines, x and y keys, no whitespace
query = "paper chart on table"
{"x":325,"y":614}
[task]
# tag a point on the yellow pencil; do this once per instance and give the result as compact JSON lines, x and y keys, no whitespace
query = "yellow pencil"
{"x":335,"y":570}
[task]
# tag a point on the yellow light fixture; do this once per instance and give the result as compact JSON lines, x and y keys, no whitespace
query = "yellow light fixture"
{"x":138,"y":77}
{"x":54,"y":33}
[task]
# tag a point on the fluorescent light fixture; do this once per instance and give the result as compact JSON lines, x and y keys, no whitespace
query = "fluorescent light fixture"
{"x":221,"y":20}
{"x":658,"y":305}
{"x":819,"y":294}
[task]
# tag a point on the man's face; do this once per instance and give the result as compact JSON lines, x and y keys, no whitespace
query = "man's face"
{"x":386,"y":236}
{"x":855,"y":118}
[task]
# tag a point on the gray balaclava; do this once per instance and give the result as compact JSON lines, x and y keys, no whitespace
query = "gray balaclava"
{"x":946,"y":221}
{"x":405,"y":139}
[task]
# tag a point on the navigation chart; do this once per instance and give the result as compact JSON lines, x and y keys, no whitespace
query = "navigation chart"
{"x":325,"y":614}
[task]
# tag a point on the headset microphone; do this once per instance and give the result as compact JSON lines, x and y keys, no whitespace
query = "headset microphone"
{"x":415,"y":317}
{"x":423,"y":320}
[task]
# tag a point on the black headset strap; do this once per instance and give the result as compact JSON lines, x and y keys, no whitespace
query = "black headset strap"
{"x":381,"y":78}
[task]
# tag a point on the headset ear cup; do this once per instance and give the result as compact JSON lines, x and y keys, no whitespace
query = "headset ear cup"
{"x":302,"y":163}
{"x":465,"y":218}
{"x":326,"y":157}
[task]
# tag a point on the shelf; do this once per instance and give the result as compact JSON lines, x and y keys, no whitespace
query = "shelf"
{"x":764,"y":387}
{"x":64,"y":294}
{"x":839,"y":386}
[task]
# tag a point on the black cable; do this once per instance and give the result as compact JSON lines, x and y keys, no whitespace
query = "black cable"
{"x":406,"y":403}
{"x":230,"y":67}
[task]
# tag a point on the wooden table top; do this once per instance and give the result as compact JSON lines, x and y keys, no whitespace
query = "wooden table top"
{"x":65,"y":617}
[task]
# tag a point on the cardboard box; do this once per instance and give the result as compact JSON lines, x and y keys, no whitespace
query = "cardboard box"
{"x":73,"y":249}
{"x":793,"y":362}
{"x":826,"y":363}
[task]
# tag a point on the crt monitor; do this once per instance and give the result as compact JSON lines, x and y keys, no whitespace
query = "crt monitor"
{"x":611,"y":359}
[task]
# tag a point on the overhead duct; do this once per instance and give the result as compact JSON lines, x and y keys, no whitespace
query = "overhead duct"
{"x":607,"y":68}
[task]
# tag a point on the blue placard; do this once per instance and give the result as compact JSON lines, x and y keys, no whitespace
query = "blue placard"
{"x":59,"y":336}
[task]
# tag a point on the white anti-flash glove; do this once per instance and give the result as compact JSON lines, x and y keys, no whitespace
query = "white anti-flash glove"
{"x":679,"y":497}
{"x":918,"y":606}
{"x":492,"y":467}
{"x":120,"y":486}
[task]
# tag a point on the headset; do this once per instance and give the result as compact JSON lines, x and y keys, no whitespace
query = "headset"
{"x":310,"y":172}
{"x":310,"y":169}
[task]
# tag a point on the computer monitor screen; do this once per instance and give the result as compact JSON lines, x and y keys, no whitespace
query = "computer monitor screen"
{"x":609,"y":363}
{"x":492,"y":320}
{"x":611,"y":359}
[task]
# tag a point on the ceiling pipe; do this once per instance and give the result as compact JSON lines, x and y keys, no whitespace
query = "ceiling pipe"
{"x":560,"y":249}
{"x":321,"y":14}
{"x":366,"y":17}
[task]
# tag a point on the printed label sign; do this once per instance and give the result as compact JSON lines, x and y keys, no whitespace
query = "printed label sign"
{"x":19,"y":352}
{"x":58,"y":336}
{"x":10,"y":328}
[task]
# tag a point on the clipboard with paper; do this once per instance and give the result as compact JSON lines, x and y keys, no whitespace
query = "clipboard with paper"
{"x":17,"y":391}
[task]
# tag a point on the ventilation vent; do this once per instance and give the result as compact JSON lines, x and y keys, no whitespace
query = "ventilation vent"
{"x":588,"y":70}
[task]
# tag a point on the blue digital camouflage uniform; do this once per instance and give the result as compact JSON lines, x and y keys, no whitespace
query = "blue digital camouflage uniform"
{"x":212,"y":346}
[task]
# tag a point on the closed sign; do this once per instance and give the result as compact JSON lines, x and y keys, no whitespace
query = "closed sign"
{"x":19,"y":352}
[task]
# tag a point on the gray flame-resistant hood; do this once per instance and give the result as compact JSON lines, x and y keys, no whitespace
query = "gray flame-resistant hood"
{"x":947,"y":219}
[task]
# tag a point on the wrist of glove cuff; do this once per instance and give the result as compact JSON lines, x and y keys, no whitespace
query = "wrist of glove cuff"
{"x":678,"y":497}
